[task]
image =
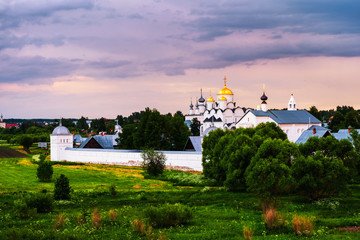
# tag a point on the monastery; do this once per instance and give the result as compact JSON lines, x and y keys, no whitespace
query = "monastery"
{"x":225,"y":114}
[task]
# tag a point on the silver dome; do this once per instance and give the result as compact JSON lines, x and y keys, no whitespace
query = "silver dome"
{"x":61,"y":130}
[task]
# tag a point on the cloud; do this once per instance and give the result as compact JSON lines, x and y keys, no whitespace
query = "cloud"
{"x":32,"y":69}
{"x":16,"y":12}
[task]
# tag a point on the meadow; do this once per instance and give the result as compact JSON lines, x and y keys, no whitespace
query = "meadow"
{"x":217,"y":213}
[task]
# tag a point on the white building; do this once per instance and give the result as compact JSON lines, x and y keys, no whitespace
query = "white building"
{"x":223,"y":113}
{"x":60,"y":139}
{"x":220,"y":113}
{"x":292,"y":121}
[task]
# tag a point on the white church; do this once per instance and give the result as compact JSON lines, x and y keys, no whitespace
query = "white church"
{"x":225,"y":114}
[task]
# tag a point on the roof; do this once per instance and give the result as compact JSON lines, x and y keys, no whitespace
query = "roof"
{"x":61,"y":130}
{"x":343,"y":134}
{"x":106,"y":141}
{"x":212,"y":119}
{"x":11,"y":125}
{"x":193,"y":143}
{"x":320,"y":132}
{"x":285,"y":116}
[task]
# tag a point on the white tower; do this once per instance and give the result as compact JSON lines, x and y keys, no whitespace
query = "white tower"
{"x":210,"y":102}
{"x":201,"y":103}
{"x":60,"y":139}
{"x":292,"y":104}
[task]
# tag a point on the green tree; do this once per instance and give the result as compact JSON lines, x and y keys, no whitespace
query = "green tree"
{"x":337,"y":122}
{"x":320,"y":176}
{"x":26,"y":141}
{"x":268,"y":174}
{"x":178,"y":133}
{"x":153,"y":162}
{"x":62,"y":188}
{"x":126,"y":138}
{"x":315,"y":112}
{"x":82,"y":124}
{"x":44,"y":170}
{"x":352,"y":119}
{"x":195,"y":127}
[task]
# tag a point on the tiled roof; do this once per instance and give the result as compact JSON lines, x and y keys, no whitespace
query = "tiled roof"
{"x":285,"y":116}
{"x":320,"y":132}
{"x":196,"y":143}
{"x":106,"y":141}
{"x":213,"y":119}
{"x":344,"y":134}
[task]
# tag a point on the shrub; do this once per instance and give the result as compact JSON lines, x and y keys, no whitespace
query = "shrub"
{"x":154,"y":162}
{"x":62,"y":188}
{"x":273,"y":219}
{"x":81,"y":218}
{"x":141,"y":227}
{"x":248,"y":233}
{"x":22,"y":210}
{"x":59,"y":221}
{"x":42,"y":202}
{"x":113,"y":215}
{"x":45,"y":171}
{"x":168,"y":215}
{"x":96,"y":218}
{"x":112,"y":190}
{"x":302,"y":225}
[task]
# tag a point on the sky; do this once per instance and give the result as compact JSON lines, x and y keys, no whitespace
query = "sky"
{"x":103,"y":58}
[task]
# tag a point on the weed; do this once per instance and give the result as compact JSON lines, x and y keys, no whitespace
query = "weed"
{"x":248,"y":233}
{"x":96,"y":218}
{"x":139,"y":226}
{"x":59,"y":221}
{"x":81,"y":219}
{"x":302,"y":225}
{"x":113,"y":216}
{"x":274,"y":219}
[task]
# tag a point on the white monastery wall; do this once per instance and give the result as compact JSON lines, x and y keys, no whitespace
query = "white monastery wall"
{"x":188,"y":161}
{"x":293,"y":131}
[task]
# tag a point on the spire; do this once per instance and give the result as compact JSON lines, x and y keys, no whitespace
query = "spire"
{"x":225,"y":81}
{"x":191,"y":104}
{"x":263,"y":98}
{"x":201,"y":99}
{"x":60,"y":122}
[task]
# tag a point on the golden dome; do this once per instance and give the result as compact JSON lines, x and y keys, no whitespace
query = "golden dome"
{"x":210,"y":99}
{"x":225,"y":90}
{"x":222,"y":98}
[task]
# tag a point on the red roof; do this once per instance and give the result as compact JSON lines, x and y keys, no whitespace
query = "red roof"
{"x":12,"y":125}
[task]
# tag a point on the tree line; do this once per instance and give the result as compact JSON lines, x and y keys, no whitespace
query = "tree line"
{"x":263,"y":161}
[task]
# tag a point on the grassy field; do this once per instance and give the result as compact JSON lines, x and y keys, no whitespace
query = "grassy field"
{"x":218,"y":214}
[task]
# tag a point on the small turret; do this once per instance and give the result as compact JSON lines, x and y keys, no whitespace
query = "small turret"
{"x":191,"y":107}
{"x":263,"y":98}
{"x":209,"y":102}
{"x":292,"y":104}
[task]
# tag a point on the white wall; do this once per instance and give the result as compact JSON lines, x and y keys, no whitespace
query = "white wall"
{"x":58,"y":143}
{"x":187,"y":161}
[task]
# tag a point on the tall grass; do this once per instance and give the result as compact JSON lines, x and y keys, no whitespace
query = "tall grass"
{"x":248,"y":233}
{"x":273,"y":219}
{"x":96,"y":219}
{"x":302,"y":225}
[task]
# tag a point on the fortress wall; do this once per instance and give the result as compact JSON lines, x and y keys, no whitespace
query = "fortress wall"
{"x":186,"y":161}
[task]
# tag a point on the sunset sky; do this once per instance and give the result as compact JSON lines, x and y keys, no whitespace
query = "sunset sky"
{"x":73,"y":58}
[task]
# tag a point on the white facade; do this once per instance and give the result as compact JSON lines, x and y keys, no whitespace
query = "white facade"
{"x":60,"y":139}
{"x":187,"y":161}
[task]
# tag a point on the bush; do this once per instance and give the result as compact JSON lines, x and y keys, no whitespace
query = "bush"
{"x":59,"y":221}
{"x":274,"y":219}
{"x":42,"y":202}
{"x":169,"y":215}
{"x":22,"y":210}
{"x":154,"y":162}
{"x":96,"y":219}
{"x":248,"y":233}
{"x":112,"y":190}
{"x":302,"y":225}
{"x":44,"y":171}
{"x":62,"y":188}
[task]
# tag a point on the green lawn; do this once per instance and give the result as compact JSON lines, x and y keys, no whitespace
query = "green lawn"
{"x":218,"y":214}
